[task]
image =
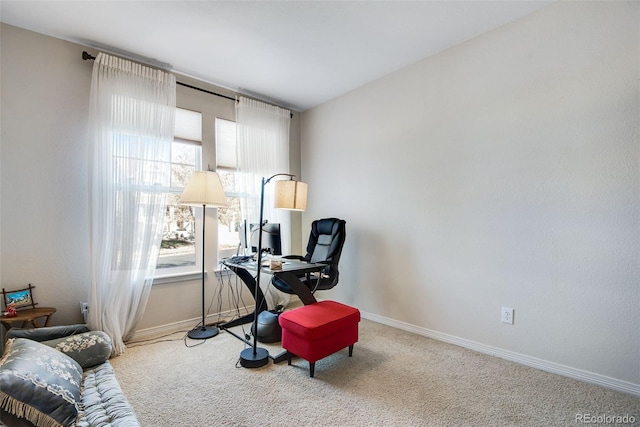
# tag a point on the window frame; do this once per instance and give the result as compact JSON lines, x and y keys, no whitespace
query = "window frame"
{"x":192,"y":271}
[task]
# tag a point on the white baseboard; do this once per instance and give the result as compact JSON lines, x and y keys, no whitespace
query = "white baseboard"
{"x":184,"y":326}
{"x":555,"y":368}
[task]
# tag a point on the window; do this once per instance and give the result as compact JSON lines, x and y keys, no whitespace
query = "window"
{"x":180,"y":241}
{"x":230,"y":218}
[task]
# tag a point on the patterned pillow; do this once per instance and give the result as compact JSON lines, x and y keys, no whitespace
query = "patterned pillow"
{"x":88,"y":349}
{"x":39,"y":384}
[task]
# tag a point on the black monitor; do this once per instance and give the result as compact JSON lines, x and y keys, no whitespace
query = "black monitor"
{"x":271,"y":241}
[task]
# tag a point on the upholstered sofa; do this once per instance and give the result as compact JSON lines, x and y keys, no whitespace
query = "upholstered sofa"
{"x":61,"y":376}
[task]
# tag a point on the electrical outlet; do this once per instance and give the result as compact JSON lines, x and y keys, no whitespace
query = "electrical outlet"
{"x":507,"y":315}
{"x":84,"y":309}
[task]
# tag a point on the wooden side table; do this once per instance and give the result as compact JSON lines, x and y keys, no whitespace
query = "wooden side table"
{"x":29,"y":315}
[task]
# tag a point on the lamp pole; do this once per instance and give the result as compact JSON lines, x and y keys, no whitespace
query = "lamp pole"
{"x":255,"y":357}
{"x":204,"y":331}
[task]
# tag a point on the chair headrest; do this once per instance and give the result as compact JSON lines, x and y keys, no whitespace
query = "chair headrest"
{"x":326,"y":239}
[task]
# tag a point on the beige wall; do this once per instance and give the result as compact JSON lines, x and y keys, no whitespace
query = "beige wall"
{"x":44,"y":178}
{"x":501,"y":172}
{"x":44,"y":174}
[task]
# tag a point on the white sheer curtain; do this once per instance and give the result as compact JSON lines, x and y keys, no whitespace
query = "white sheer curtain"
{"x":263,"y":151}
{"x":132,"y":120}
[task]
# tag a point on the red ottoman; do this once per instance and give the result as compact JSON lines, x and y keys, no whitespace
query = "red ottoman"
{"x":318,"y":330}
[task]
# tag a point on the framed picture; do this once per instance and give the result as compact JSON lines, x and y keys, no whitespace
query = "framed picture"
{"x":21,"y":297}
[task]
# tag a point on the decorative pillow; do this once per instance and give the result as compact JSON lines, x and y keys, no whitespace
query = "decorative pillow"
{"x":88,"y":349}
{"x":39,"y":384}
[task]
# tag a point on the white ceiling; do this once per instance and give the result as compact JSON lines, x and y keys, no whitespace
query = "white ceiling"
{"x":297,"y":54}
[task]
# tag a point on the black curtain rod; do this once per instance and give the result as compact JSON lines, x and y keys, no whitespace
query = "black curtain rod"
{"x":206,"y":91}
{"x":87,"y":56}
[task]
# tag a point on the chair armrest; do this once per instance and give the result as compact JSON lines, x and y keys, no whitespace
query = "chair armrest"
{"x":298,"y":257}
{"x":47,"y":333}
{"x":330,"y":269}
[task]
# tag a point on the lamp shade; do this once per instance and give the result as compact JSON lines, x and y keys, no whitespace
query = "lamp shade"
{"x":291,"y":195}
{"x":204,"y":188}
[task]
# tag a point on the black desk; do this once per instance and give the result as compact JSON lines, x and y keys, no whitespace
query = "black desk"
{"x":291,"y":268}
{"x":289,"y":274}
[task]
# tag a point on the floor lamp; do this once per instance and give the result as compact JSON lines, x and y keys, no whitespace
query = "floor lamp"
{"x":291,"y":195}
{"x":204,"y":189}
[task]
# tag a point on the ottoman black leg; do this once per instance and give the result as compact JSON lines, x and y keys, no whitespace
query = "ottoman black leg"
{"x":312,"y":368}
{"x":351,"y":350}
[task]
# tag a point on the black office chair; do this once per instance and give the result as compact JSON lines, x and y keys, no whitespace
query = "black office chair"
{"x":324,"y":247}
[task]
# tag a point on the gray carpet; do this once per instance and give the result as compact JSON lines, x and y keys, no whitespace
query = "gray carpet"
{"x":394,"y":378}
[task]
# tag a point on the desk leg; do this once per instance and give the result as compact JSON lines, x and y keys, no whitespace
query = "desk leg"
{"x":285,"y":355}
{"x":305,"y":296}
{"x":297,"y":287}
{"x":247,"y":318}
